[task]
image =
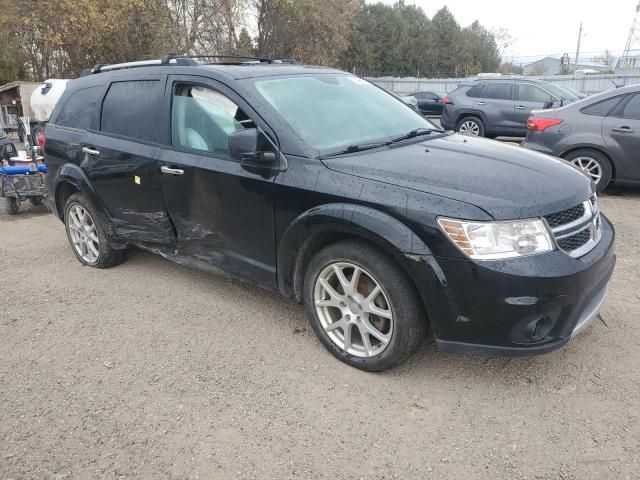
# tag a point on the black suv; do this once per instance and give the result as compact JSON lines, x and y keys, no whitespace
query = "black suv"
{"x":317,"y":184}
{"x":495,"y":107}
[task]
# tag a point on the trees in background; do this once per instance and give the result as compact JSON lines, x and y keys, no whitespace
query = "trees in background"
{"x":58,"y":38}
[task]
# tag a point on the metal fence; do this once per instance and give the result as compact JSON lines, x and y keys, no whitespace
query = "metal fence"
{"x":588,"y":84}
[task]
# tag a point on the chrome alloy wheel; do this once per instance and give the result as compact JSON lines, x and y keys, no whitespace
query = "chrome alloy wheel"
{"x":590,"y":167}
{"x":83,"y":234}
{"x":470,"y":128}
{"x":353,"y":309}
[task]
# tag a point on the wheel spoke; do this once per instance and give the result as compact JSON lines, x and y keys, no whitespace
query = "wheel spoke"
{"x":330,"y":290}
{"x":346,"y":285}
{"x":368,"y":327}
{"x":342,"y":323}
{"x":355,"y":278}
{"x":347,"y":336}
{"x":375,"y":310}
{"x":366,"y":341}
{"x":330,"y":302}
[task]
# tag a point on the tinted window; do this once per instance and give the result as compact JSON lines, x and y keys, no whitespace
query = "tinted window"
{"x":632,"y":108}
{"x":531,"y":93}
{"x":498,"y":91}
{"x":130,"y":108}
{"x":80,"y":109}
{"x":202,"y":119}
{"x":477,"y":91}
{"x":602,"y":108}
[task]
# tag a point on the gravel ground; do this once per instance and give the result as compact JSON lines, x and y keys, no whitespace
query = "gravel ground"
{"x":154,"y":370}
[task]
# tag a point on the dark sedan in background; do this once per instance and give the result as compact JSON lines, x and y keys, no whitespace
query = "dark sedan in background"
{"x":429,"y":103}
{"x":599,"y":134}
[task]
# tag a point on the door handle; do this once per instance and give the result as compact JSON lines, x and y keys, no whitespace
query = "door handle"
{"x":624,"y":129}
{"x":481,"y":103}
{"x":172,"y":171}
{"x":521,"y":107}
{"x":90,"y":151}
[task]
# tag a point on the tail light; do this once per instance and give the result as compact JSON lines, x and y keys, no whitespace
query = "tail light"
{"x":541,"y":124}
{"x":446,"y":100}
{"x":41,"y":139}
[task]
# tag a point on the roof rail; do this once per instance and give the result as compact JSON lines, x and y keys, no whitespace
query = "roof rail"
{"x":174,"y":59}
{"x":172,"y":56}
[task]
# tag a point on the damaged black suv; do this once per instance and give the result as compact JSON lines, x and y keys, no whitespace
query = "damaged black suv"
{"x":320,"y":185}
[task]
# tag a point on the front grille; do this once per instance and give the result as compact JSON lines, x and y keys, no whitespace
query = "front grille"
{"x":566,"y":216}
{"x":577,"y":229}
{"x":576,"y":241}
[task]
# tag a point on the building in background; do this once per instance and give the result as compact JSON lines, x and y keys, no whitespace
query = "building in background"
{"x":554,"y":66}
{"x":15,"y":103}
{"x":628,"y":65}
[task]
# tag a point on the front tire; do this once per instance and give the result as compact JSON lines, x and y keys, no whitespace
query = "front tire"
{"x":470,"y":126}
{"x":86,"y":234}
{"x":595,"y":164}
{"x":362,"y":306}
{"x":36,"y":201}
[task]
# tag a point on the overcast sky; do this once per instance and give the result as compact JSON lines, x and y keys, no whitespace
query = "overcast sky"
{"x":541,"y":27}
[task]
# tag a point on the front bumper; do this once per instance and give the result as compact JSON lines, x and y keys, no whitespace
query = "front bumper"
{"x":519,"y":307}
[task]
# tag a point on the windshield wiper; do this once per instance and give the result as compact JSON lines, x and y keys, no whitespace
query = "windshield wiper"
{"x":356,"y":148}
{"x":416,"y":133}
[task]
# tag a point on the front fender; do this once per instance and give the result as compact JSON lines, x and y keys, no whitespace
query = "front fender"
{"x":357,"y":220}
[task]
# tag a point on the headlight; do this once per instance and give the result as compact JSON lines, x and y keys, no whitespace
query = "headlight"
{"x":496,"y":240}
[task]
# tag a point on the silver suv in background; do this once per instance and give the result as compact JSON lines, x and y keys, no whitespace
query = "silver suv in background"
{"x":493,"y":107}
{"x":599,"y":134}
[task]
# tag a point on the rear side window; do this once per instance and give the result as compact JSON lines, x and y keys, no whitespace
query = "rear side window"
{"x":602,"y":108}
{"x":476,"y":91}
{"x":632,"y":109}
{"x":81,"y":108}
{"x":131,"y":109}
{"x":531,"y":93}
{"x":499,"y":91}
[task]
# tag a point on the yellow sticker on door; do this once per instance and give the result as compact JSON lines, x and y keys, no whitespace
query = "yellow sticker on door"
{"x":136,"y":179}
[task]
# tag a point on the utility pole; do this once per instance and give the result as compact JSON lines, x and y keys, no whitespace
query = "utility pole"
{"x":626,"y":60}
{"x":578,"y":49}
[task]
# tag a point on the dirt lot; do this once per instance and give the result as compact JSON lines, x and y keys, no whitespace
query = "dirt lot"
{"x":153,"y":370}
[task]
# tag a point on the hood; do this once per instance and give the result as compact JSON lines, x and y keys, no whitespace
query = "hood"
{"x":506,"y":181}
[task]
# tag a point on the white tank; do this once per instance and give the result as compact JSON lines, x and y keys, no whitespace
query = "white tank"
{"x":45,"y":97}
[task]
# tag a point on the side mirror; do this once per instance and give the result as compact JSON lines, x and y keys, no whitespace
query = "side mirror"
{"x":548,"y":104}
{"x":244,"y":147}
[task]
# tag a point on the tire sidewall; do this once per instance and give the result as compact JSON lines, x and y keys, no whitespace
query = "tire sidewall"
{"x":395,"y":287}
{"x":601,"y":159}
{"x":476,"y":120}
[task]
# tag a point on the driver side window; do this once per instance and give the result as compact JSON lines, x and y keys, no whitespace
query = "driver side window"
{"x":202,"y":119}
{"x":531,"y":93}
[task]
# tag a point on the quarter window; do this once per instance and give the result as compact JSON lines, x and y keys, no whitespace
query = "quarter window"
{"x":476,"y":91}
{"x":202,"y":119}
{"x":80,"y":109}
{"x":531,"y":93}
{"x":131,"y":108}
{"x":602,"y":108}
{"x":632,"y":108}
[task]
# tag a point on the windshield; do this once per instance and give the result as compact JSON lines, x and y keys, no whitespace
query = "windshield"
{"x":560,"y":92}
{"x":335,"y":111}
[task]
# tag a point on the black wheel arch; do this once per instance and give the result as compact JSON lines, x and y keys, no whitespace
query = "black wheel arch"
{"x":321,"y":226}
{"x":471,"y":113}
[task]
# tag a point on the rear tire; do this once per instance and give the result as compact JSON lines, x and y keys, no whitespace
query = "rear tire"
{"x":379,"y":309}
{"x":593,"y":163}
{"x":471,"y":126}
{"x":87,"y":234}
{"x":12,"y":205}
